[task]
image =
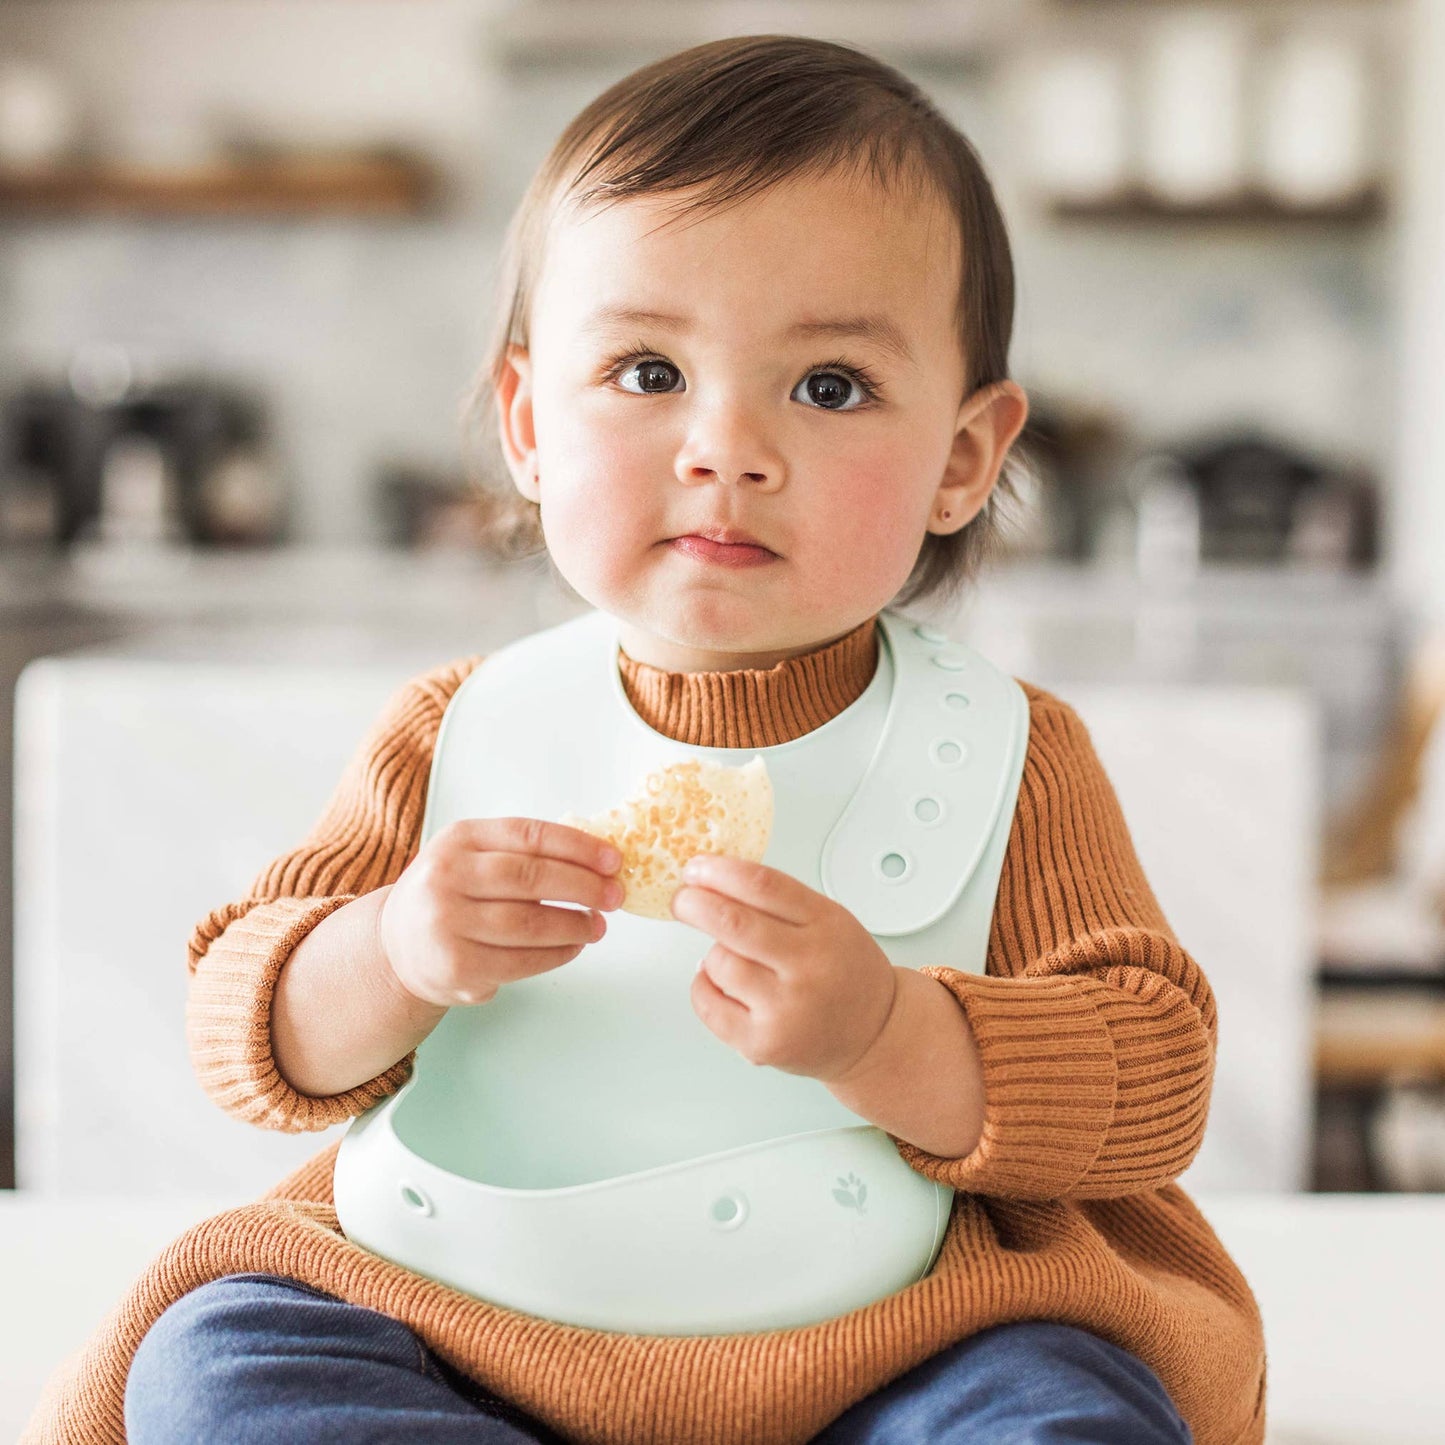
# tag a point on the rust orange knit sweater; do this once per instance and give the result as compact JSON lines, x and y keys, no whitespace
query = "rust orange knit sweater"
{"x":1096,"y":1031}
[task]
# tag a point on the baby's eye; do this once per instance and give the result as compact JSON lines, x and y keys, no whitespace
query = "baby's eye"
{"x":652,"y":376}
{"x":832,"y":390}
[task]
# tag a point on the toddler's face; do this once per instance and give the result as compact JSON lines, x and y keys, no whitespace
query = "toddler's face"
{"x":788,"y":368}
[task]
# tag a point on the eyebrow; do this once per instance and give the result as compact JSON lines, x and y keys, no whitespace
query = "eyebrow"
{"x":880,"y":330}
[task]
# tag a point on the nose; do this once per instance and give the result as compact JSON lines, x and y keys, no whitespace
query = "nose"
{"x":727,"y":443}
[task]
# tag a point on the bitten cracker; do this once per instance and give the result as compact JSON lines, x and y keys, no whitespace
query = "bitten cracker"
{"x":686,"y":808}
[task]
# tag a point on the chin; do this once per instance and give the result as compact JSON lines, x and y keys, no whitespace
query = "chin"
{"x":731,"y":621}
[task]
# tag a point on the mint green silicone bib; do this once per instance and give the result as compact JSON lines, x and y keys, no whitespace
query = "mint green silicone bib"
{"x":582,"y":1148}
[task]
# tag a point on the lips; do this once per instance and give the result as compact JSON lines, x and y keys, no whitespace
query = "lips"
{"x":726,"y":537}
{"x":722,"y":554}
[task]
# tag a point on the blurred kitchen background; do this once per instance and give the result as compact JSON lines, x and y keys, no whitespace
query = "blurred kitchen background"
{"x":246,"y":257}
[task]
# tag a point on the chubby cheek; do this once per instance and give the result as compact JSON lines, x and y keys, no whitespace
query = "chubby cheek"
{"x":873,"y":527}
{"x":596,"y":507}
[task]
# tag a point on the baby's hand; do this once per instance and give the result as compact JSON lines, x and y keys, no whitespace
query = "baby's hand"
{"x":794,"y":980}
{"x":466,"y":916}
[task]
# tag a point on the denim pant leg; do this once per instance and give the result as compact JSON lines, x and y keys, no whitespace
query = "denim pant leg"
{"x":1034,"y":1383}
{"x":257,"y":1359}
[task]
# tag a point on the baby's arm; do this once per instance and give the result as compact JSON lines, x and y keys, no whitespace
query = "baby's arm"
{"x":466,"y":916}
{"x":1095,"y":1030}
{"x":338,"y":1014}
{"x":365,"y":838}
{"x":921,"y":1080}
{"x":303,"y":1029}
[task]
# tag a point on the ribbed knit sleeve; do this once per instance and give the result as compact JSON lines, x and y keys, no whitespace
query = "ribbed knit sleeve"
{"x":1096,"y":1030}
{"x":368,"y":833}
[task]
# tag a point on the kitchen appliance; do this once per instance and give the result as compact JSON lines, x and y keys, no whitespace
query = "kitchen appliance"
{"x":157,"y":463}
{"x":1265,"y":501}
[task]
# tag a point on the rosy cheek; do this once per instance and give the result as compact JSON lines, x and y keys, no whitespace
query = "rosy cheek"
{"x":874,"y":511}
{"x":594,"y":467}
{"x":603,"y":503}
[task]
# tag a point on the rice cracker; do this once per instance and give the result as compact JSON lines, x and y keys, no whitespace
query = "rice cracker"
{"x":683,"y":809}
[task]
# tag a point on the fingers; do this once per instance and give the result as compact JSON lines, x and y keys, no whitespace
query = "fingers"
{"x":769,"y":890}
{"x":714,"y":1001}
{"x":493,"y":872}
{"x":457,"y":982}
{"x":740,"y":927}
{"x":470,"y":912}
{"x":475,"y":958}
{"x":535,"y":836}
{"x":529,"y":925}
{"x":508,"y":965}
{"x":743,"y":981}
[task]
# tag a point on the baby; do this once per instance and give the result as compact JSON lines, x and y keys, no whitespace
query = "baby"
{"x":750,"y":379}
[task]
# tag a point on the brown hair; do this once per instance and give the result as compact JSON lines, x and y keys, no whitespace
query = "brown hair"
{"x":735,"y":117}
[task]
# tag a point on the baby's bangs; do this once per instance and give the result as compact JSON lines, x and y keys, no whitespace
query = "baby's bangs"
{"x":739,"y":127}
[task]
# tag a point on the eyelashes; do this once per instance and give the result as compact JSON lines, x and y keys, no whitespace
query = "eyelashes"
{"x":865,"y":379}
{"x":635,"y":355}
{"x":639,"y":352}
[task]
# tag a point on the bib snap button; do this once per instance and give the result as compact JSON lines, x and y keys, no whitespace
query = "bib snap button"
{"x":928,"y":811}
{"x":415,"y":1199}
{"x":947,"y":752}
{"x":729,"y":1209}
{"x":894,"y":867}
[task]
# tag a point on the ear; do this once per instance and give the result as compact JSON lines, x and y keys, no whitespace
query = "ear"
{"x":514,"y":420}
{"x":989,"y":422}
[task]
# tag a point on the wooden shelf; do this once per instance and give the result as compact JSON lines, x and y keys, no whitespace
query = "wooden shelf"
{"x":363,"y":184}
{"x":1251,"y":208}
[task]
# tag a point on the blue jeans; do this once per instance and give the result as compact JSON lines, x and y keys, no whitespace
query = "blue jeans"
{"x":259,"y":1358}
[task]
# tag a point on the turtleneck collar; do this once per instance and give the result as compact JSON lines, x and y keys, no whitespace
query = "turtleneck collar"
{"x":754,"y":707}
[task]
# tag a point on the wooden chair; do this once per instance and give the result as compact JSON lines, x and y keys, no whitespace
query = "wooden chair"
{"x":1364,"y":840}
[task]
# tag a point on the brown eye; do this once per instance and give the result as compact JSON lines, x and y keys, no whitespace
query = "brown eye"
{"x":652,"y":376}
{"x":832,"y":390}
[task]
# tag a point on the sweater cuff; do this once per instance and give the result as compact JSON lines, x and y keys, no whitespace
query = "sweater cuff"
{"x":1050,"y":1082}
{"x":228,"y":1022}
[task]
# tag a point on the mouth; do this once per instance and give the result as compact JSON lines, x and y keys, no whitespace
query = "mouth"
{"x":724,"y":547}
{"x":727,"y":537}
